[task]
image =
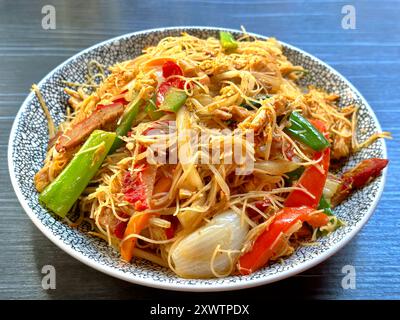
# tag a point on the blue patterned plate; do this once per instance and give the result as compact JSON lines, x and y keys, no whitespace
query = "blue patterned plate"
{"x":27,"y":149}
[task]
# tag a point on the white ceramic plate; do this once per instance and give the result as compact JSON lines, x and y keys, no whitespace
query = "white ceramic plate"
{"x":28,"y":143}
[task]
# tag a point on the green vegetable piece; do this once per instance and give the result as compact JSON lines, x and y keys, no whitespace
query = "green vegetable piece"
{"x":60,"y":195}
{"x":301,"y":129}
{"x":152,"y":110}
{"x":325,"y":205}
{"x":293,"y":176}
{"x":174,"y":100}
{"x":126,"y":124}
{"x":227,"y":41}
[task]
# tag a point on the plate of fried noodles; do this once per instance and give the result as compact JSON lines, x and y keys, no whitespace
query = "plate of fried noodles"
{"x":197,"y":159}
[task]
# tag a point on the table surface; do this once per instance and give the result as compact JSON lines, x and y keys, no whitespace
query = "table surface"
{"x":368,"y":56}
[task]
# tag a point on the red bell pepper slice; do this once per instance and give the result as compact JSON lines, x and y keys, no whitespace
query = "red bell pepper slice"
{"x":358,"y":177}
{"x":138,"y":190}
{"x":120,"y":229}
{"x":121,"y":100}
{"x":367,"y":169}
{"x":319,"y":125}
{"x":102,"y":106}
{"x":135,"y":191}
{"x":268,"y":243}
{"x":170,"y":232}
{"x":261,"y":205}
{"x":170,"y":69}
{"x":313,"y":180}
{"x":162,"y":92}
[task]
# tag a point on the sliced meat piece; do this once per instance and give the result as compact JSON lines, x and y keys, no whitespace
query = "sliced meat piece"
{"x":54,"y":139}
{"x":239,"y":113}
{"x":81,"y":130}
{"x":222,"y":114}
{"x":358,"y":177}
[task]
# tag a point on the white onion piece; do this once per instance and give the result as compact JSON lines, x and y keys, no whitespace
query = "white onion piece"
{"x":192,"y":256}
{"x":276,"y":167}
{"x":330,"y":188}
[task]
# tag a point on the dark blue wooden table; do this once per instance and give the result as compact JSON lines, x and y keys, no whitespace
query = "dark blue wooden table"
{"x":367,"y":55}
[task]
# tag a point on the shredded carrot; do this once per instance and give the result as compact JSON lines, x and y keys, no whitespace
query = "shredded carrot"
{"x":135,"y":226}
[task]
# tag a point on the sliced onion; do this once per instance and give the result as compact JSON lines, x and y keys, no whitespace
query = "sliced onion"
{"x":276,"y":167}
{"x":330,"y":188}
{"x":271,"y":82}
{"x":193,"y":255}
{"x":204,"y":99}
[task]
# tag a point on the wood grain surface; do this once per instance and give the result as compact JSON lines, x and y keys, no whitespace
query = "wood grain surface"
{"x":368,"y":56}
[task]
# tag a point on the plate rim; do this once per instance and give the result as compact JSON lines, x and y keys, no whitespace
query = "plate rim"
{"x":149,"y":282}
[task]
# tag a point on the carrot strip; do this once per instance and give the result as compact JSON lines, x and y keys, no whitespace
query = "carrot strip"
{"x":135,"y":226}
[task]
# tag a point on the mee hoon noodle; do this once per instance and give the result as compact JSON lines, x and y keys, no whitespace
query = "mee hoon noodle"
{"x":202,"y":155}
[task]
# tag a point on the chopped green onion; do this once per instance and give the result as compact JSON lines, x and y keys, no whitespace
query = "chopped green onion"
{"x":227,"y":41}
{"x":126,"y":124}
{"x":301,"y":129}
{"x":325,"y":205}
{"x":152,"y":110}
{"x":256,"y":104}
{"x":293,"y":176}
{"x":174,"y":100}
